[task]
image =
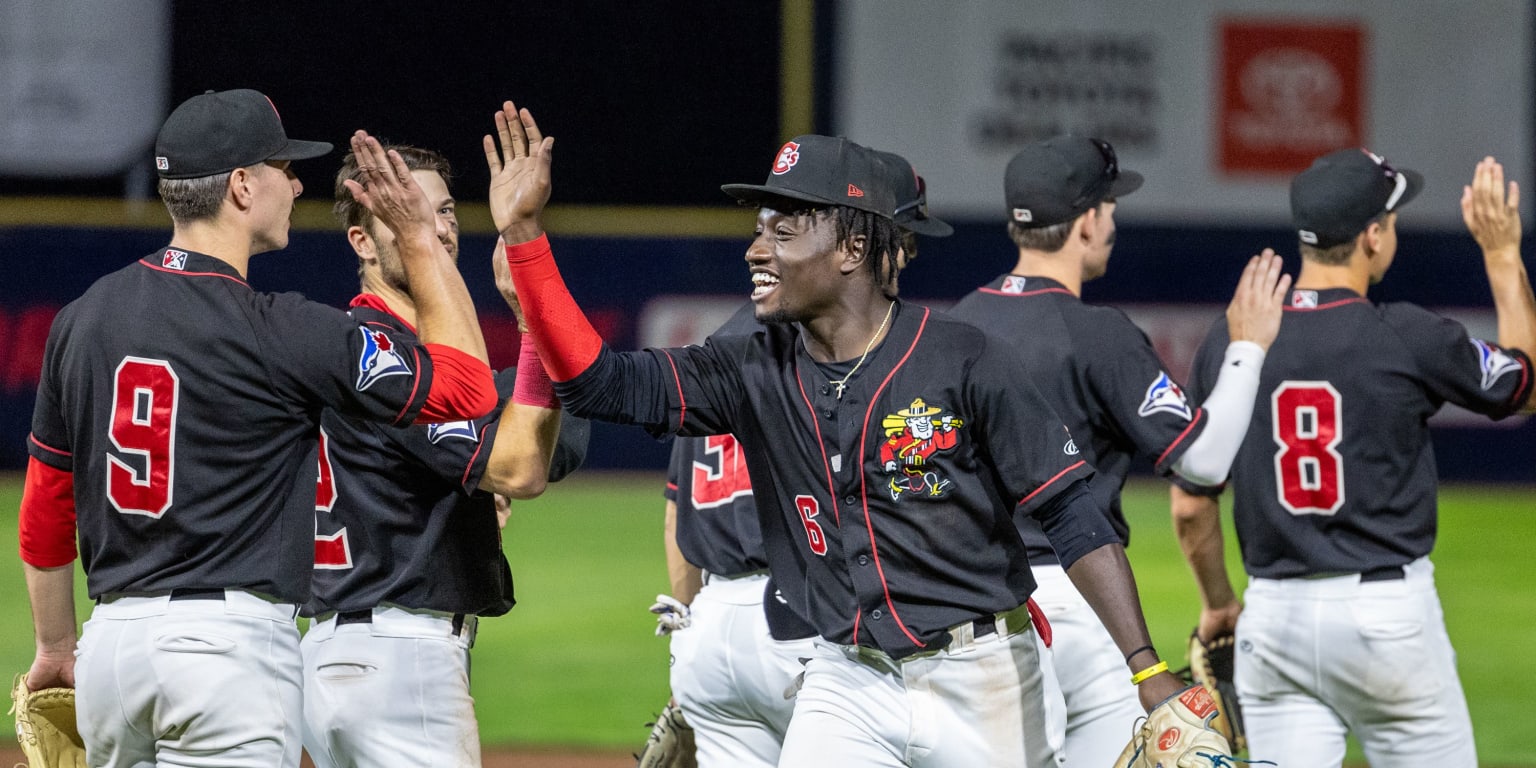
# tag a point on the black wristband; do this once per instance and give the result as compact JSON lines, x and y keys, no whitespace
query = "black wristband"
{"x":1132,"y":654}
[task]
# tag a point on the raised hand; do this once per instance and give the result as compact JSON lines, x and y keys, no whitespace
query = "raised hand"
{"x":519,"y":159}
{"x":1491,"y":213}
{"x":1254,"y":314}
{"x":388,"y":190}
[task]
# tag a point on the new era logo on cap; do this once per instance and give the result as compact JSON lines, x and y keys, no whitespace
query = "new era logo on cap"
{"x":854,"y":191}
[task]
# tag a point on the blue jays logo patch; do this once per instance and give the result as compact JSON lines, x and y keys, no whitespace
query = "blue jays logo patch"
{"x":1164,"y":396}
{"x":464,"y":430}
{"x":379,"y":359}
{"x":1495,"y":363}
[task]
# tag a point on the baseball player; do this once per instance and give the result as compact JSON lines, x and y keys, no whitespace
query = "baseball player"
{"x":927,"y":654}
{"x":407,"y":549}
{"x":1102,"y":375}
{"x":176,"y":421}
{"x":1335,"y":481}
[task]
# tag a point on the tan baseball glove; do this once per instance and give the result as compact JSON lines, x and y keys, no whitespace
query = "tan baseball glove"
{"x":670,"y":744}
{"x":45,"y":726}
{"x":1178,"y":732}
{"x":1211,"y":665}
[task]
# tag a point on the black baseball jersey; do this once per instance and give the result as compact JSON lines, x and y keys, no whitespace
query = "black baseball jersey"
{"x":717,"y":527}
{"x":1336,"y":473}
{"x":398,"y":514}
{"x":886,"y":514}
{"x":1101,"y":374}
{"x":186,"y":406}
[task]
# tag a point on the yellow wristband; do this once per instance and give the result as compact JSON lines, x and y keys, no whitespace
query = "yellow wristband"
{"x":1145,"y":674}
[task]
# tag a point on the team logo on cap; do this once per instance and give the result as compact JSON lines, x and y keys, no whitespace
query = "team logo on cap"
{"x":174,"y":259}
{"x":789,"y":154}
{"x":1023,"y":215}
{"x":463,"y":430}
{"x":1304,"y":299}
{"x":162,"y":164}
{"x":1495,"y":363}
{"x":1013,"y":284}
{"x":1164,"y":396}
{"x":379,"y":359}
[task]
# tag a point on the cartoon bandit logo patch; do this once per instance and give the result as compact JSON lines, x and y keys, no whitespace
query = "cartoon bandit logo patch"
{"x":913,"y":436}
{"x":378,"y":360}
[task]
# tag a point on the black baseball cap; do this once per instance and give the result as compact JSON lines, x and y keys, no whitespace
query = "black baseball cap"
{"x":216,"y":132}
{"x":1055,"y":180}
{"x":912,"y":198}
{"x":1336,"y":198}
{"x":822,"y":170}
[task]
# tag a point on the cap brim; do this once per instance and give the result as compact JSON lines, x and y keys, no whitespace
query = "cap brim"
{"x":1415,"y":186}
{"x":302,"y":150}
{"x":1124,"y":184}
{"x":777,"y":198}
{"x":929,"y":226}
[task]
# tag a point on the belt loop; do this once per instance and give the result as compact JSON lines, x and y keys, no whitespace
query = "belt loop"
{"x":458,"y":623}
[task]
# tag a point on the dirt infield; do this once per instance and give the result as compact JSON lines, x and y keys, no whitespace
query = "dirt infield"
{"x":535,"y":757}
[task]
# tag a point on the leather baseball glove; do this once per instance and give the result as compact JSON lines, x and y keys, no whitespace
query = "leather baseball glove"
{"x":670,"y":744}
{"x":1210,"y":665}
{"x":1178,"y":732}
{"x":45,"y":726}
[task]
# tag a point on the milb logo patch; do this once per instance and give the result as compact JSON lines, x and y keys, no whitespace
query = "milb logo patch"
{"x":1494,"y":362}
{"x":379,"y":359}
{"x":1164,"y":396}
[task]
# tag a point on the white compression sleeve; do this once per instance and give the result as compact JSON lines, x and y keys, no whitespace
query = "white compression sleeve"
{"x":1228,"y":410}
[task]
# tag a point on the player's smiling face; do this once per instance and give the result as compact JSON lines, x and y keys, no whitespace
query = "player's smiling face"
{"x":794,"y":262}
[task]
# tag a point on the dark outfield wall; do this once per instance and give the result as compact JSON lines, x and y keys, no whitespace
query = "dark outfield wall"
{"x":612,"y":279}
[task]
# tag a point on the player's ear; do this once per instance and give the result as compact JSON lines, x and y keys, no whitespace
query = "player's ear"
{"x":240,"y":188}
{"x":855,"y":251}
{"x":1084,"y":225}
{"x":362,"y":244}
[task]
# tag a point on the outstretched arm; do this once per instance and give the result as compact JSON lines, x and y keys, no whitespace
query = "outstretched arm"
{"x":1491,"y":212}
{"x":1253,"y":320}
{"x":529,"y":426}
{"x":1197,"y":522}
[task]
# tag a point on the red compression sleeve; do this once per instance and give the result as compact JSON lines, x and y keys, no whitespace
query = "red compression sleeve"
{"x":567,"y":342}
{"x":47,"y":525}
{"x":462,"y":387}
{"x":533,"y":385}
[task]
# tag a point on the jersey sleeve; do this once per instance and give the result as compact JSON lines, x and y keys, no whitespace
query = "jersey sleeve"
{"x":321,"y":355}
{"x":1034,"y":455}
{"x":50,"y":441}
{"x":1477,"y":375}
{"x":1137,"y":395}
{"x":695,"y":390}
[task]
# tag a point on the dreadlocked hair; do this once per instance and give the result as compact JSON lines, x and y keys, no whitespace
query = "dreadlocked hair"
{"x":883,"y":243}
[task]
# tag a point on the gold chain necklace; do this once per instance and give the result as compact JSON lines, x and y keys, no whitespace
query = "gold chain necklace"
{"x":843,"y":382}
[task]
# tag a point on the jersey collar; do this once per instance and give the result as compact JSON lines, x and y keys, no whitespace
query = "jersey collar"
{"x":191,"y":263}
{"x":1313,"y":299}
{"x":377,"y":304}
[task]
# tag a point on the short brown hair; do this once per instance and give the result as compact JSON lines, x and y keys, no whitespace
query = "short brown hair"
{"x":195,"y":199}
{"x":1047,"y":239}
{"x":352,"y":213}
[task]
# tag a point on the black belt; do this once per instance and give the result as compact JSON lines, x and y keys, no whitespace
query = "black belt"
{"x":986,"y":625}
{"x":365,"y":616}
{"x":197,"y":594}
{"x":1385,"y":573}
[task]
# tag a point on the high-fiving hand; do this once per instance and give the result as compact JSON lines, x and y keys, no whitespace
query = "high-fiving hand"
{"x":1254,"y":314}
{"x":388,"y":190}
{"x":1491,"y":213}
{"x":519,"y":159}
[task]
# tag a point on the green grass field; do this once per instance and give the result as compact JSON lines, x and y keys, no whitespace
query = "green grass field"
{"x":576,"y":663}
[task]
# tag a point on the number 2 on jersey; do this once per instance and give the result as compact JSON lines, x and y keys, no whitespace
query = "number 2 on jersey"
{"x":332,"y":551}
{"x":1308,"y":426}
{"x":144,"y":398}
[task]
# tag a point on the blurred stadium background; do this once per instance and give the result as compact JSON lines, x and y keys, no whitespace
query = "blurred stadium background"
{"x":655,"y":104}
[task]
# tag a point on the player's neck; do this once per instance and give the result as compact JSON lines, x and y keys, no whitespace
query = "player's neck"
{"x":398,"y":301}
{"x":848,"y":333}
{"x":1064,"y":266}
{"x":1354,"y":275}
{"x":212,"y":239}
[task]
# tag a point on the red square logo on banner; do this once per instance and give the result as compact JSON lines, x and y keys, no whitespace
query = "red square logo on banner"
{"x":1289,"y":92}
